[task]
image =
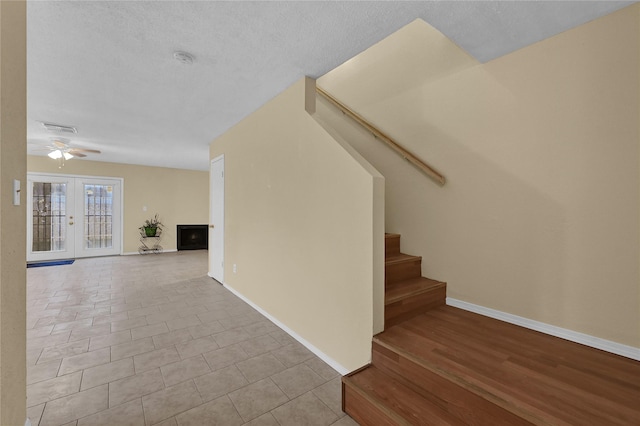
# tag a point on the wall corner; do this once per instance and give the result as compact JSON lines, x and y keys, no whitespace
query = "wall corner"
{"x":310,"y":95}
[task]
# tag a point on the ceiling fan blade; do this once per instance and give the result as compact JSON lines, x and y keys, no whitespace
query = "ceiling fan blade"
{"x":92,"y":151}
{"x":59,"y":144}
{"x":77,"y":152}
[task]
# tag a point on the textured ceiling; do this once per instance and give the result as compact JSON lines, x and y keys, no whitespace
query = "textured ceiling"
{"x":107,"y":68}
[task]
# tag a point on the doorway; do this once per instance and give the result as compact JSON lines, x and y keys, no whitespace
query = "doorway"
{"x":73,"y":216}
{"x":216,"y":220}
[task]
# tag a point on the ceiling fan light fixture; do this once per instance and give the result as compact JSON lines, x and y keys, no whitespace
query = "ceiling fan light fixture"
{"x":55,"y":154}
{"x":67,"y":156}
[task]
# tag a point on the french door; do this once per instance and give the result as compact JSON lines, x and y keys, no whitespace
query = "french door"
{"x":72,"y":216}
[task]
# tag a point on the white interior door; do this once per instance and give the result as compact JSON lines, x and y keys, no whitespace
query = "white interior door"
{"x":73,"y":217}
{"x":216,"y":220}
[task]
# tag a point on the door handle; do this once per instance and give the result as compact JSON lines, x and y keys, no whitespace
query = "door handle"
{"x":70,"y":223}
{"x":211,"y":226}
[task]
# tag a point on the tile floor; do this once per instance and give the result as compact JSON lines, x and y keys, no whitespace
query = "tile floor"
{"x":143,"y":340}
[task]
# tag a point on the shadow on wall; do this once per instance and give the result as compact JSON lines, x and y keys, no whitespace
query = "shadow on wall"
{"x":495,"y":239}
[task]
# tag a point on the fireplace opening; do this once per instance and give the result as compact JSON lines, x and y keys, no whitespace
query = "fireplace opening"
{"x":193,"y":237}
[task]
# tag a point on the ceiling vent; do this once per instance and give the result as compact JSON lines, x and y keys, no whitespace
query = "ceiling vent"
{"x":52,"y":127}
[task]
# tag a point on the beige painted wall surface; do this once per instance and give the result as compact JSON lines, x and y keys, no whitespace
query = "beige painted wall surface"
{"x":540,"y":213}
{"x":178,"y":196}
{"x":299,"y":226}
{"x":13,"y":148}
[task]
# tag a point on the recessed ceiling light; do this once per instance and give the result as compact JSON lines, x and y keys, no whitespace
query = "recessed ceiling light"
{"x":184,"y":57}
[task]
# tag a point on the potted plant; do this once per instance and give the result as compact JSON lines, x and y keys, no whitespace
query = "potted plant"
{"x":152,"y":227}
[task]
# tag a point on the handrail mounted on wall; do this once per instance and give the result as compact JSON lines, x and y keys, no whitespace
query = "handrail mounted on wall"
{"x":425,"y":168}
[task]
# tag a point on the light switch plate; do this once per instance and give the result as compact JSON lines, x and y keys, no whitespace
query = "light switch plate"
{"x":16,"y":192}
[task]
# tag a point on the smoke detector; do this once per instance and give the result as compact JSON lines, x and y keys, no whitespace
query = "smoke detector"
{"x":183,"y":57}
{"x":52,"y":127}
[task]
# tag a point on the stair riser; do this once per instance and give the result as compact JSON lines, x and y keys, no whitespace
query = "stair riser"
{"x":362,"y":410}
{"x":453,"y":398}
{"x":403,"y":271}
{"x":395,"y":313}
{"x":392,"y":246}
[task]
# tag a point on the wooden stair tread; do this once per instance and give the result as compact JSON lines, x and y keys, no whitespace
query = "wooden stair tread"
{"x":401,"y":258}
{"x":398,"y":401}
{"x":541,"y":378}
{"x":411,"y":287}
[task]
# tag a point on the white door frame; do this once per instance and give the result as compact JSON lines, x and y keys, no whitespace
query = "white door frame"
{"x":216,"y":219}
{"x":118,"y":242}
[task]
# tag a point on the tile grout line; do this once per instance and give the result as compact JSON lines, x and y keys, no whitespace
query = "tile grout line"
{"x":172,"y":292}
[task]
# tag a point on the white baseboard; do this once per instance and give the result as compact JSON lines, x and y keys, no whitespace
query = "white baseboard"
{"x":132,"y":253}
{"x":335,"y":365}
{"x":563,"y":333}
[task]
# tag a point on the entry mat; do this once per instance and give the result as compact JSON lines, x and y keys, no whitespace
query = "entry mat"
{"x":50,"y":263}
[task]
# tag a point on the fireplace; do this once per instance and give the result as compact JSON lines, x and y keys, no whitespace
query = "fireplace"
{"x":193,"y":237}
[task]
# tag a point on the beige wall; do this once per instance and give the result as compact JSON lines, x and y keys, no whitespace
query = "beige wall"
{"x":13,"y":145}
{"x":539,"y":217}
{"x":303,"y":224}
{"x":178,"y":196}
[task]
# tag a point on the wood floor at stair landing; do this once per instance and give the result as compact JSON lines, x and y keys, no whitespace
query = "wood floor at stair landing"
{"x":468,"y":365}
{"x":439,"y":365}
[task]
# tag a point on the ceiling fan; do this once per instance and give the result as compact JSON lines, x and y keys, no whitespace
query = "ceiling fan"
{"x":60,"y":149}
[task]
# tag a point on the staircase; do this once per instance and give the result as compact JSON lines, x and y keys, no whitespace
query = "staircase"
{"x":407,"y":293}
{"x":438,"y":365}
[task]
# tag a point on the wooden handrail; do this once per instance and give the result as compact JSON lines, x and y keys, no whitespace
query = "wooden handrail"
{"x":421,"y":165}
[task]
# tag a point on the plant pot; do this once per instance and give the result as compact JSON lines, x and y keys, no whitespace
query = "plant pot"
{"x":150,"y":232}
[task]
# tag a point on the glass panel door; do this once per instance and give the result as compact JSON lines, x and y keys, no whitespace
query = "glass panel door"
{"x":50,"y":219}
{"x":53,"y":229}
{"x":100,"y":224}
